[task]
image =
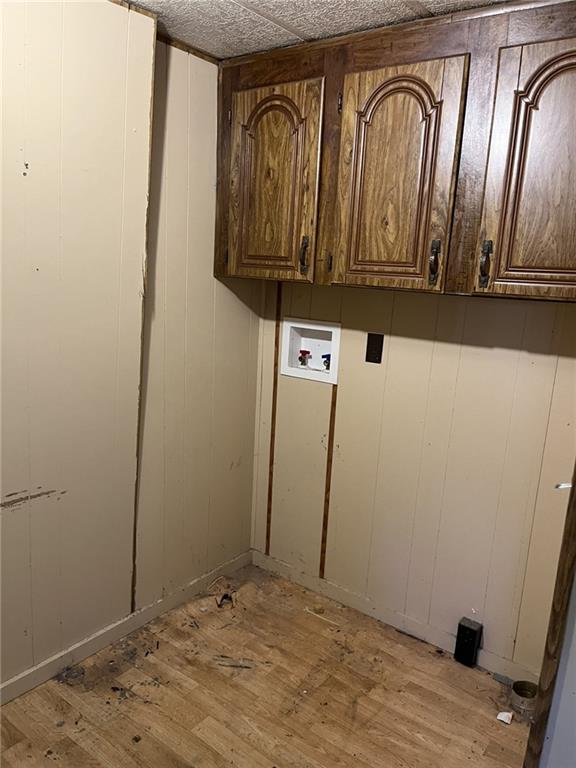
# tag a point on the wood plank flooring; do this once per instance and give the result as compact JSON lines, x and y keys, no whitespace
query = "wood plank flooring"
{"x":280,"y":678}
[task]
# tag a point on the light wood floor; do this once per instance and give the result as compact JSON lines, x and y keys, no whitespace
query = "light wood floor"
{"x":284,"y":678}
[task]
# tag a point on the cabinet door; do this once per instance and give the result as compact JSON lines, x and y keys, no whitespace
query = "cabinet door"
{"x":528,"y":236}
{"x":398,"y":158}
{"x":274,"y":181}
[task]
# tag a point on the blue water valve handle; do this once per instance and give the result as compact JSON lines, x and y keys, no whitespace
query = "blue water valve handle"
{"x":326,"y":361}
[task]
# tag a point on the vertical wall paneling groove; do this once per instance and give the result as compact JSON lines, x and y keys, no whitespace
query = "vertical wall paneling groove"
{"x":201,"y":352}
{"x":76,"y":149}
{"x":178,"y":558}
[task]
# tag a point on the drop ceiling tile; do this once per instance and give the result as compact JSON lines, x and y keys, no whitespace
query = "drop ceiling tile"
{"x":318,"y":18}
{"x":222,"y":28}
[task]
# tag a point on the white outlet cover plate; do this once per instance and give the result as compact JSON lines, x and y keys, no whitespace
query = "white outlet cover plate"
{"x":317,"y":337}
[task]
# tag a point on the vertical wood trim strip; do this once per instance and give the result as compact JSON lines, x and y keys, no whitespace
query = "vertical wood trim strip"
{"x":273,"y":417}
{"x":143,"y":331}
{"x":330,"y":451}
{"x":139,"y":441}
{"x":555,"y":637}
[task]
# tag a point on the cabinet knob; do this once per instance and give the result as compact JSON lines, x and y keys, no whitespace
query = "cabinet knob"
{"x":487,"y":248}
{"x":303,"y":254}
{"x":434,"y":262}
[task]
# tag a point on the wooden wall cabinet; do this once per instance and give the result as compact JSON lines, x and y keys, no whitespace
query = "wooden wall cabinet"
{"x":397,"y":169}
{"x":440,"y":156}
{"x":274,"y":181}
{"x":528,"y":236}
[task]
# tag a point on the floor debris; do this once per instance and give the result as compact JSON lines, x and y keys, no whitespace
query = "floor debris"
{"x":226,"y":598}
{"x":71,"y":675}
{"x":123,"y":693}
{"x":319,"y":616}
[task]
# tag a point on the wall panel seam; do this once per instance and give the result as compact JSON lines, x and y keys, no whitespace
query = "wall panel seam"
{"x":444,"y":479}
{"x":387,"y":341}
{"x":421,"y":455}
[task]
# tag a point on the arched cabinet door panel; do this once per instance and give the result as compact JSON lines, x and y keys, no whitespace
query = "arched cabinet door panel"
{"x":275,"y":152}
{"x":527,"y":243}
{"x":398,"y":160}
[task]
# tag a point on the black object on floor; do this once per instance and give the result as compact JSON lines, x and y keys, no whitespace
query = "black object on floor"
{"x":468,"y":642}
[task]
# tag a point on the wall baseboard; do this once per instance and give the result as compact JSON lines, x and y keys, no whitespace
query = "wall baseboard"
{"x":433,"y":635}
{"x":50,"y":667}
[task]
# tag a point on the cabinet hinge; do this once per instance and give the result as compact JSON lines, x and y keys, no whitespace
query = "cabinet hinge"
{"x":330,"y":261}
{"x":340,"y":100}
{"x":229,"y":117}
{"x":226,"y":257}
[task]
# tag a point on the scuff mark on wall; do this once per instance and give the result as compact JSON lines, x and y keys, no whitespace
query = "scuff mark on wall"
{"x":22,"y":499}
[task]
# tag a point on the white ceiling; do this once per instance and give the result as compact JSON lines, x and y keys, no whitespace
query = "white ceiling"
{"x":226,"y":28}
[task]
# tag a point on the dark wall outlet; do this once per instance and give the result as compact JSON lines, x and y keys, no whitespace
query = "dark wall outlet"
{"x":374,"y":346}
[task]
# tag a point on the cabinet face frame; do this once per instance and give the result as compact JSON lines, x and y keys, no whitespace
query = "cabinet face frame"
{"x":510,"y":244}
{"x":285,"y":184}
{"x":436,"y":89}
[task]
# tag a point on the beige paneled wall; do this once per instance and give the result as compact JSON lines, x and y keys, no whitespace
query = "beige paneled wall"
{"x":76,"y":89}
{"x":200,"y":353}
{"x":445,"y":459}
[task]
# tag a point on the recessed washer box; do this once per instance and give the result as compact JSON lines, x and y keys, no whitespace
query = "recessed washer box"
{"x":310,"y":350}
